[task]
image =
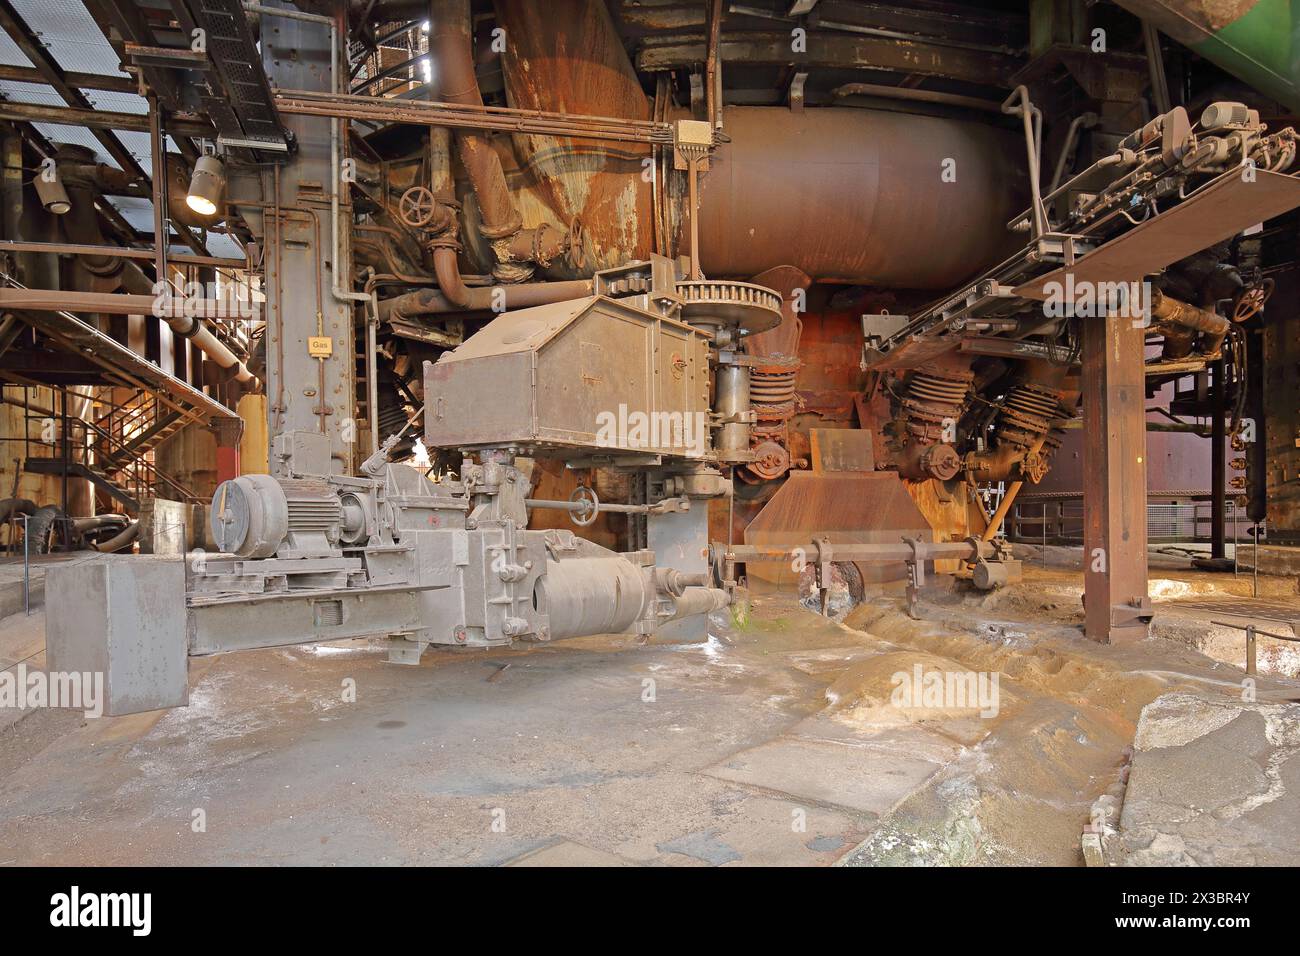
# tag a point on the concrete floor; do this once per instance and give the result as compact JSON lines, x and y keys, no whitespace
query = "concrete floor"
{"x":772,"y":743}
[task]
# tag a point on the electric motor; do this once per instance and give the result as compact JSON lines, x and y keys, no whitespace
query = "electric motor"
{"x":257,"y":516}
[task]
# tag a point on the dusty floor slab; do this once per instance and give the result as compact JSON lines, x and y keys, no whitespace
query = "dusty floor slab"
{"x":773,"y":743}
{"x":1214,"y":782}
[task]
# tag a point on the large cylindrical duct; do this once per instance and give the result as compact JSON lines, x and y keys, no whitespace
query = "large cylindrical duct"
{"x":856,"y":195}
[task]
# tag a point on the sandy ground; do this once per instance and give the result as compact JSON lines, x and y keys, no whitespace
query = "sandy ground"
{"x":776,"y":742}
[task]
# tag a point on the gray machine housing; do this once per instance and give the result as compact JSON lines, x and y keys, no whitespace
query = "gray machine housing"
{"x":308,"y":556}
{"x":546,"y":378}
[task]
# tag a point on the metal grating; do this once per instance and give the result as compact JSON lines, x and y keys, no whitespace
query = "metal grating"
{"x":238,"y":96}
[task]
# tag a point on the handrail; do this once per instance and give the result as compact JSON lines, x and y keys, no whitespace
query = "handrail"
{"x":1251,"y":633}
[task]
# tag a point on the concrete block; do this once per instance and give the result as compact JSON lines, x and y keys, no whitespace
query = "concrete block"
{"x":164,"y":526}
{"x":124,"y":617}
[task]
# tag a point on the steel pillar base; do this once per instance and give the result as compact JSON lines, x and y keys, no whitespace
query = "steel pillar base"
{"x":681,"y":540}
{"x":403,"y":649}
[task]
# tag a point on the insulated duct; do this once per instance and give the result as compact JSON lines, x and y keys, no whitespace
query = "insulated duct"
{"x":1254,"y":40}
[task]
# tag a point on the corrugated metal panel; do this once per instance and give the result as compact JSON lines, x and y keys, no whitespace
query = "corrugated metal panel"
{"x":138,"y":144}
{"x":42,"y":94}
{"x":78,"y":135}
{"x":136,"y":210}
{"x":118,"y":102}
{"x":222,"y":245}
{"x":10,"y":55}
{"x":71,"y":35}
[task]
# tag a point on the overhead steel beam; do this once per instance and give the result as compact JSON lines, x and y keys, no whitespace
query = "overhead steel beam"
{"x":117,"y":303}
{"x":942,"y":24}
{"x":457,"y":116}
{"x":74,"y":249}
{"x":123,"y":22}
{"x":82,"y":81}
{"x":835,"y":51}
{"x":95,"y":120}
{"x":952,"y":25}
{"x":54,"y":75}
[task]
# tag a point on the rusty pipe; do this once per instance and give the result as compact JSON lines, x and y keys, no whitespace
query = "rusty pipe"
{"x":96,"y":522}
{"x":451,"y":39}
{"x":1008,"y":499}
{"x":447,"y":273}
{"x":712,"y":62}
{"x":520,"y":295}
{"x":508,"y":296}
{"x":968,"y":549}
{"x":128,"y":534}
{"x":1167,"y":310}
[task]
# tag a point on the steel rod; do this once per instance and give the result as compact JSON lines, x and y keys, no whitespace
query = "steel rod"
{"x":124,"y":252}
{"x":433,"y":113}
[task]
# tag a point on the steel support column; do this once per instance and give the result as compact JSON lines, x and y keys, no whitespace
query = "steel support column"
{"x":1218,"y":464}
{"x":1115,"y":481}
{"x":310,"y":335}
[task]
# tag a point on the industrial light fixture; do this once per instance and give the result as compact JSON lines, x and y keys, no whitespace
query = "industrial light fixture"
{"x":206,"y":185}
{"x":49,"y":187}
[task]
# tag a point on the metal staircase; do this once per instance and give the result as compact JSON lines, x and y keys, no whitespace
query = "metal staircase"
{"x":112,"y":450}
{"x":112,"y":446}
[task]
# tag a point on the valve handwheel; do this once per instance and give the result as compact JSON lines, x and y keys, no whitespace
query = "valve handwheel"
{"x":590,"y":510}
{"x":417,"y":207}
{"x":1251,"y":300}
